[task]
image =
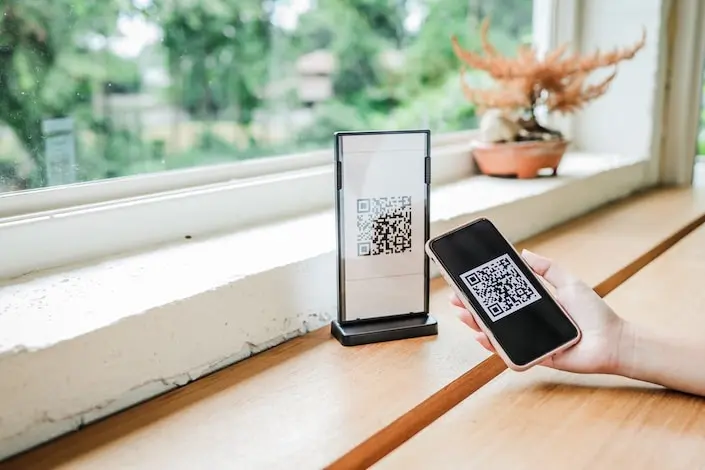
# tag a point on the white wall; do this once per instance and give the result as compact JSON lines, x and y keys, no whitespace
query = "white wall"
{"x":625,"y":120}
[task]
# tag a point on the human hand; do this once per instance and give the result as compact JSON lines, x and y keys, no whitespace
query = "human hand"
{"x":598,"y":349}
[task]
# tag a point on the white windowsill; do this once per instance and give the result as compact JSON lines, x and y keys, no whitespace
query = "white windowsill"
{"x":57,"y":237}
{"x":95,"y":294}
{"x":20,"y":203}
{"x":189,"y":308}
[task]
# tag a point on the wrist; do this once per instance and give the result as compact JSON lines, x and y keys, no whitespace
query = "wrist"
{"x":625,"y":362}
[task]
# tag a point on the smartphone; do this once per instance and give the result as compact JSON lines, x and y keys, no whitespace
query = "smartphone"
{"x":521,"y":317}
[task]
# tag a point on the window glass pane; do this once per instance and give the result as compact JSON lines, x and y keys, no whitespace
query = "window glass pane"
{"x":100,"y":89}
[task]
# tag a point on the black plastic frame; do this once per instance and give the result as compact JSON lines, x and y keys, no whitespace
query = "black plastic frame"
{"x":386,"y":328}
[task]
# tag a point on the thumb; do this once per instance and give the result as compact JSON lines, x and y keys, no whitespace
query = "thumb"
{"x":545,"y":268}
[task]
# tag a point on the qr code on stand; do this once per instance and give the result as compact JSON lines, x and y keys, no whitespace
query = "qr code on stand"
{"x":383,"y":225}
{"x":500,"y":287}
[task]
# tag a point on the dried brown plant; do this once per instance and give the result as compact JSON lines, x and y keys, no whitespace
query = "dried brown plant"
{"x":527,"y":82}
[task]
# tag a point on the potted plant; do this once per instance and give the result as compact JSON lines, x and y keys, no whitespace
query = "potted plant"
{"x":512,"y":140}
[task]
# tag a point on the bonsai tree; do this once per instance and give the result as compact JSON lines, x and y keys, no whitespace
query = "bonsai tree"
{"x":526,"y":83}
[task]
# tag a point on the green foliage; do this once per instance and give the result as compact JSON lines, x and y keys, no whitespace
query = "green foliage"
{"x":210,"y":141}
{"x":347,"y":32}
{"x":221,"y":57}
{"x":442,"y":109}
{"x":112,"y":154}
{"x":219,"y":51}
{"x":431,"y":56}
{"x":44,"y":70}
{"x":8,"y":173}
{"x":385,"y":18}
{"x":332,"y":117}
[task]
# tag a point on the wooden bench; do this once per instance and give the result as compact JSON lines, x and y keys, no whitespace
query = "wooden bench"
{"x":309,"y":402}
{"x":550,"y":419}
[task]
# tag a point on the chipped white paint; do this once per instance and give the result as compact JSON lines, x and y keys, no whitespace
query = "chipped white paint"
{"x":82,"y":344}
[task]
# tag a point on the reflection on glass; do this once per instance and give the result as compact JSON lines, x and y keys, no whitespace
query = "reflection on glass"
{"x":101,"y":89}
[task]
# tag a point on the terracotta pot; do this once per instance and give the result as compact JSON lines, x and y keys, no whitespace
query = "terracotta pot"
{"x":523,"y":159}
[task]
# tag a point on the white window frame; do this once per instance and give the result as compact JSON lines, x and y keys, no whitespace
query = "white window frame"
{"x":57,"y":226}
{"x":684,"y":76}
{"x":79,"y":194}
{"x":555,"y":23}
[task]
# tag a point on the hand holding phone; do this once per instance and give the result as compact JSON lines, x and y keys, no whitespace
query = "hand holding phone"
{"x":522,"y":320}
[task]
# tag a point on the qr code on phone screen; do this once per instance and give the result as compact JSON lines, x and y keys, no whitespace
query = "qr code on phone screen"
{"x":500,"y":287}
{"x":383,"y":225}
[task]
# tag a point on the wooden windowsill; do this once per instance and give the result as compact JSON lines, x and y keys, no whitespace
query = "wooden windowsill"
{"x":310,"y":402}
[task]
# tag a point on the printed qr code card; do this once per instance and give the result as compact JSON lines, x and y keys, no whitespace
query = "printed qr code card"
{"x":384,"y":225}
{"x":500,"y":287}
{"x":383,"y":204}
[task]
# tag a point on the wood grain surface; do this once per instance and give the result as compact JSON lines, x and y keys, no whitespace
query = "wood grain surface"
{"x":389,"y":438}
{"x":546,"y":419}
{"x":310,"y":401}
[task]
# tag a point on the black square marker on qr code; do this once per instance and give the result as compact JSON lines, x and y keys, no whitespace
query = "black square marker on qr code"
{"x":383,"y":225}
{"x":500,"y":287}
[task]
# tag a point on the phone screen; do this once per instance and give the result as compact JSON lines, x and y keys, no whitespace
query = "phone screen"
{"x":505,"y":293}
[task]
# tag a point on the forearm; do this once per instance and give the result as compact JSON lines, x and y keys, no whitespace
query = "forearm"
{"x":672,"y":362}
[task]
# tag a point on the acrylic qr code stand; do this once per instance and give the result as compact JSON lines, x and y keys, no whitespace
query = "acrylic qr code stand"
{"x":382,"y":189}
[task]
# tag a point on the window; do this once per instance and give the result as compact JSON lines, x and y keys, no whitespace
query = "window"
{"x":95,"y":91}
{"x":220,"y":289}
{"x":148,"y":111}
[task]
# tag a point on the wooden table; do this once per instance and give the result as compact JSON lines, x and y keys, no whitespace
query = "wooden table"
{"x":550,"y":419}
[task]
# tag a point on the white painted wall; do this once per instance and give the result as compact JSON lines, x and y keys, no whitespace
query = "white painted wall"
{"x":626,"y":119}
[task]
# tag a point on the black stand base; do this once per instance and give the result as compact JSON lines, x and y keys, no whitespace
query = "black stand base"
{"x":389,"y":329}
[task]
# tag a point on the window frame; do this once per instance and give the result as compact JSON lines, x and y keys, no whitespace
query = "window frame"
{"x":555,"y":23}
{"x":74,"y":234}
{"x":684,"y":78}
{"x":19,"y":203}
{"x":57,"y":226}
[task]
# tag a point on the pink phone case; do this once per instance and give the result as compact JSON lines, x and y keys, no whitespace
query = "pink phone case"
{"x":500,"y":351}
